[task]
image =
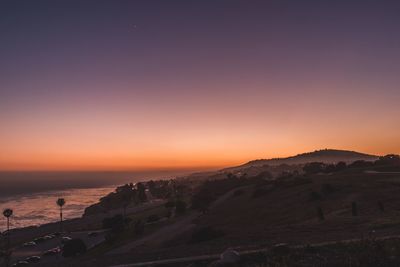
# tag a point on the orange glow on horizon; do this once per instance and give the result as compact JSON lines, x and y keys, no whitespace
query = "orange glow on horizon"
{"x":81,"y":89}
{"x":180,"y":161}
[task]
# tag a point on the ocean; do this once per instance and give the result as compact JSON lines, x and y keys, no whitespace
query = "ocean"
{"x":33,"y":195}
{"x":40,"y":208}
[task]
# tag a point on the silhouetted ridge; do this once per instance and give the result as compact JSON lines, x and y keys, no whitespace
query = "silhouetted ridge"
{"x":324,"y":155}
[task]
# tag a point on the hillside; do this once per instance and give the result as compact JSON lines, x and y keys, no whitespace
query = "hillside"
{"x":253,"y":212}
{"x":325,"y":156}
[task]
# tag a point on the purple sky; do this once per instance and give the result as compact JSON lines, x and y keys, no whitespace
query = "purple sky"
{"x":144,"y":84}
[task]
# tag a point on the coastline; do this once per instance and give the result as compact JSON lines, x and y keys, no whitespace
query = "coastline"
{"x":83,"y":223}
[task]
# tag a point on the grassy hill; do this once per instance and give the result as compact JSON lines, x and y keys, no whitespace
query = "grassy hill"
{"x":325,"y":156}
{"x":286,"y":211}
{"x":249,"y":212}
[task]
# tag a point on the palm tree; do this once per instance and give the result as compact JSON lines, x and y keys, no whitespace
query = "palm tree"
{"x":126,"y":200}
{"x":61,"y":203}
{"x":7,"y":213}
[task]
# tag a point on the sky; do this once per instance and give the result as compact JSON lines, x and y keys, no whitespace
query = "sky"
{"x":88,"y":85}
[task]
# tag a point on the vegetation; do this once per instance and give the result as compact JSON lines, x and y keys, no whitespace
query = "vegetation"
{"x":315,"y":196}
{"x":262,"y":191}
{"x":74,"y":247}
{"x":320,"y":213}
{"x":210,"y":190}
{"x":320,"y":203}
{"x":381,"y":206}
{"x":8,"y":213}
{"x":139,"y":227}
{"x":61,"y":202}
{"x":238,"y":192}
{"x":386,"y":163}
{"x":205,"y":234}
{"x":354,"y":210}
{"x":180,"y":207}
{"x":117,"y":223}
{"x":364,"y":253}
{"x":153,"y":218}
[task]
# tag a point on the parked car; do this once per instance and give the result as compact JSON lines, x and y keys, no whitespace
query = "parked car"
{"x":65,"y":239}
{"x":56,"y":233}
{"x":33,"y":259}
{"x":29,"y":244}
{"x":20,"y":263}
{"x":92,"y":234}
{"x":52,"y":252}
{"x":47,"y":237}
{"x":39,"y":239}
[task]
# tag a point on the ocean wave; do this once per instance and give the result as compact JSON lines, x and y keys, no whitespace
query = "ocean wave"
{"x":40,"y":208}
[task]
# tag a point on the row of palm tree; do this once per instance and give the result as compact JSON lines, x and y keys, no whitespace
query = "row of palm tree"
{"x":9,"y":212}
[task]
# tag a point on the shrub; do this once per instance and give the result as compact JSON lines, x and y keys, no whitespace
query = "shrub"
{"x":361,"y":164}
{"x":314,"y":167}
{"x":205,"y":233}
{"x":390,"y":159}
{"x":210,"y":190}
{"x":180,"y":207}
{"x":327,"y":189}
{"x":168,"y":214}
{"x":116,"y":223}
{"x":110,"y":237}
{"x":381,"y":206}
{"x":74,"y":247}
{"x":320,"y":213}
{"x":259,"y":192}
{"x":330,"y":168}
{"x":139,"y":227}
{"x":341,"y":166}
{"x":202,"y":202}
{"x":238,"y":192}
{"x":314,"y":196}
{"x":265,"y":175}
{"x":153,"y":218}
{"x":170,"y":204}
{"x":354,"y":210}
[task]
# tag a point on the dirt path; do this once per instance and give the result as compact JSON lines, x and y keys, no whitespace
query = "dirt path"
{"x":160,"y":235}
{"x":170,"y":231}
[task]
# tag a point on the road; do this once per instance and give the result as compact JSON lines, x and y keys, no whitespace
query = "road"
{"x":21,"y":252}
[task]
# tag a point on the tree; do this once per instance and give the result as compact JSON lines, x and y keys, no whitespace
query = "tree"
{"x":115,"y":223}
{"x":126,"y":200}
{"x":8,"y":213}
{"x":205,"y":233}
{"x":74,"y":247}
{"x":231,"y":176}
{"x":320,"y":213}
{"x":141,"y":192}
{"x":180,"y":207}
{"x":341,"y":166}
{"x":330,"y":168}
{"x":354,"y":210}
{"x":361,"y":164}
{"x":381,"y":206}
{"x":390,"y":159}
{"x":61,"y":202}
{"x":139,"y":227}
{"x":314,"y":167}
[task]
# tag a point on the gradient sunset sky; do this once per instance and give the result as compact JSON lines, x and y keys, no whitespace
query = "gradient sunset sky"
{"x":170,"y":84}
